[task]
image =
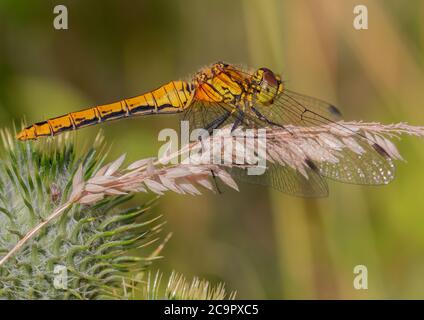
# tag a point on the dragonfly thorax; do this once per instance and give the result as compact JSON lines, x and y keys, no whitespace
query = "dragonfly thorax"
{"x":224,"y":83}
{"x":219,"y":83}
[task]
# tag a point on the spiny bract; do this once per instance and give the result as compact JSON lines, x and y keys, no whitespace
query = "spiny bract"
{"x":88,"y":245}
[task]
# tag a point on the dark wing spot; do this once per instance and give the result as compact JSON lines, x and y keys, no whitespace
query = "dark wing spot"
{"x":333,"y":110}
{"x":311,"y":165}
{"x":381,"y":150}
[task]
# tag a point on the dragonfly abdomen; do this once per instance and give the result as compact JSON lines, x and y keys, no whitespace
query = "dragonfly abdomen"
{"x":172,"y":97}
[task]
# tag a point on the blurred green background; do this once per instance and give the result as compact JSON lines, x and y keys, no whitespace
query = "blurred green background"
{"x":262,"y":243}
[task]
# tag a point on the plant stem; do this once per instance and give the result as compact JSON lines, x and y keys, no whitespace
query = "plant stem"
{"x":34,"y":231}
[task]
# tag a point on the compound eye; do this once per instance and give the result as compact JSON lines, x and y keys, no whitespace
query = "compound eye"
{"x":269,"y":77}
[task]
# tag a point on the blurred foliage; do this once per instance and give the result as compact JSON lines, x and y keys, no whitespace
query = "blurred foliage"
{"x":265,"y":244}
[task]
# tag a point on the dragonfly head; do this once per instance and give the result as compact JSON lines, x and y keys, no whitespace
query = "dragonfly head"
{"x":266,"y":86}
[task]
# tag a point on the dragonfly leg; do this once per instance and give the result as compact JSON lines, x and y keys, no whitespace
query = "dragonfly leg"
{"x":263,"y":118}
{"x":210,"y":127}
{"x":216,"y":182}
{"x":212,"y":172}
{"x":239,"y":120}
{"x":217,"y":122}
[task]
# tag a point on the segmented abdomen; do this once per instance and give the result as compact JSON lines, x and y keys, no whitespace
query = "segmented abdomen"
{"x":172,"y":97}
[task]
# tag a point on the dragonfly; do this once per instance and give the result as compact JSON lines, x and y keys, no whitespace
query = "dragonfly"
{"x":225,"y":94}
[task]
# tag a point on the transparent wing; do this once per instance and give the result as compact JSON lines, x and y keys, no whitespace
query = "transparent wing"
{"x":297,"y":109}
{"x":314,"y":106}
{"x":204,"y":115}
{"x":373,"y":167}
{"x":286,"y":180}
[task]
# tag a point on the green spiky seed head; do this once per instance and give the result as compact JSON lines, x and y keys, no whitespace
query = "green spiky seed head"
{"x":86,"y":253}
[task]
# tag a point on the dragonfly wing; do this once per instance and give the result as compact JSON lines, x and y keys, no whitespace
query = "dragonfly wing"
{"x":297,"y":109}
{"x":279,"y":177}
{"x":286,"y":180}
{"x":371,"y":167}
{"x":313,"y":105}
{"x":204,"y":114}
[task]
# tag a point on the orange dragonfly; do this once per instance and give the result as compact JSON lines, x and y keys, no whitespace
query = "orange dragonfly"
{"x":224,"y":94}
